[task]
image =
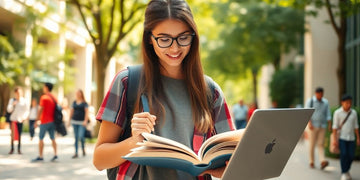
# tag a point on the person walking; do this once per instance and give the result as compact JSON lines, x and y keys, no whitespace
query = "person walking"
{"x":19,"y":109}
{"x":319,"y":122}
{"x":184,"y":105}
{"x":46,"y":117}
{"x":240,"y":112}
{"x":345,"y":123}
{"x":79,"y":114}
{"x":34,"y":108}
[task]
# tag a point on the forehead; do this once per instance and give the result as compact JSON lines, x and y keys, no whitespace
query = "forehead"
{"x":170,"y":27}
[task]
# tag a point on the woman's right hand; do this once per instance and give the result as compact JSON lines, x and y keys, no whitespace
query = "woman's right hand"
{"x":142,"y":122}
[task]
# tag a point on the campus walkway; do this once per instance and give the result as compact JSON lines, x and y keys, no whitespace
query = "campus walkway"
{"x":18,"y":167}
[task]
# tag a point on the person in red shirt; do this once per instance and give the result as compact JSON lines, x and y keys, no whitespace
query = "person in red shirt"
{"x":252,"y":108}
{"x":46,"y":117}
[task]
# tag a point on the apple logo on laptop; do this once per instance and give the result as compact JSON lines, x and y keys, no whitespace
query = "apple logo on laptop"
{"x":269,"y":147}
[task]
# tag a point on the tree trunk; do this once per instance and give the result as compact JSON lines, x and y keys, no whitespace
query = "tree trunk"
{"x":4,"y":98}
{"x":254,"y":73}
{"x":100,"y":69}
{"x":341,"y":66}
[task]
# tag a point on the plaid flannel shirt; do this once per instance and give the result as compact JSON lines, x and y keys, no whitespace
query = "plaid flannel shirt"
{"x":113,"y":109}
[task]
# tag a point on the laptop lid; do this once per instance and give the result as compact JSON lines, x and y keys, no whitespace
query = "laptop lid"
{"x":267,"y":143}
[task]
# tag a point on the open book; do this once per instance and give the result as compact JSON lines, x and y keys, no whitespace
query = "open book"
{"x":161,"y":152}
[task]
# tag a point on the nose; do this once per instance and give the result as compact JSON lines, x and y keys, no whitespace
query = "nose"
{"x":174,"y":45}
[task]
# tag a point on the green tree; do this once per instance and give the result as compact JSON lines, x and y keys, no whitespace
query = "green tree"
{"x":338,"y":12}
{"x":107,"y":22}
{"x":254,"y":34}
{"x":11,"y":67}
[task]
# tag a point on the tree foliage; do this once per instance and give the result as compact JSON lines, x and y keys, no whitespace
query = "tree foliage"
{"x":108,"y":22}
{"x":253,"y":34}
{"x":338,"y":11}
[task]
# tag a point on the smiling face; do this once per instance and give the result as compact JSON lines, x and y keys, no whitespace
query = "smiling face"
{"x":172,"y":57}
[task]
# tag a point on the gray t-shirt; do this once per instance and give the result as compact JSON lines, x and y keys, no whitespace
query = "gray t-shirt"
{"x":180,"y":128}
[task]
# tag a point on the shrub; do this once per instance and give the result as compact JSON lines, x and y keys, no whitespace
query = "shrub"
{"x":284,"y":87}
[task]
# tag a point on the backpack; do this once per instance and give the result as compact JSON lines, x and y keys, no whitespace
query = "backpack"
{"x":132,"y":86}
{"x":58,"y":118}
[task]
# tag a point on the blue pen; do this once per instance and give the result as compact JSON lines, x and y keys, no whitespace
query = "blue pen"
{"x":145,"y":105}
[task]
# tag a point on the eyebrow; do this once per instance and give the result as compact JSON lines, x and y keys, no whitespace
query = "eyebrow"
{"x":164,"y":34}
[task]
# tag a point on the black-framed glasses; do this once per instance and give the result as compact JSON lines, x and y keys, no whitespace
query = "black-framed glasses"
{"x":167,"y":41}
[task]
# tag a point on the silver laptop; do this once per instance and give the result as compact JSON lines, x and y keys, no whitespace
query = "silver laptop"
{"x":267,"y":144}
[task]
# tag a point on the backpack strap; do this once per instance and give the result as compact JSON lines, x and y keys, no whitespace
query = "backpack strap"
{"x":132,"y":88}
{"x":134,"y":75}
{"x":131,"y":94}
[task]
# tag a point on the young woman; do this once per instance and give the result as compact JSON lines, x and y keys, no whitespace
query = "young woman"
{"x":19,"y":112}
{"x":79,"y":119}
{"x":184,"y":104}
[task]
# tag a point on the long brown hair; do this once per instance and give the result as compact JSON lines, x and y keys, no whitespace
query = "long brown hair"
{"x":156,"y":12}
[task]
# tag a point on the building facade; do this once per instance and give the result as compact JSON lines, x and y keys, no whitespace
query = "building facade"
{"x":353,"y":58}
{"x":69,"y":34}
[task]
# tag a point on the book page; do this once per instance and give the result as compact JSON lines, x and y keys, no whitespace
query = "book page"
{"x":218,"y":138}
{"x":154,"y":146}
{"x":162,"y":154}
{"x":221,"y":148}
{"x":169,"y":142}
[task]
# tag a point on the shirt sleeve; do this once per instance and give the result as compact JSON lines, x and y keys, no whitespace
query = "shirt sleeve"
{"x":42,"y":102}
{"x":221,"y":114}
{"x":113,"y":107}
{"x":10,"y":107}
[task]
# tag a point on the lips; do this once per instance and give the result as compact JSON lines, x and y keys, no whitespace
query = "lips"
{"x":174,"y":56}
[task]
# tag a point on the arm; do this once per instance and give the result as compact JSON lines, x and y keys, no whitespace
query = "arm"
{"x":357,"y":136}
{"x":38,"y":115}
{"x":335,"y":132}
{"x":108,"y":152}
{"x":86,"y":117}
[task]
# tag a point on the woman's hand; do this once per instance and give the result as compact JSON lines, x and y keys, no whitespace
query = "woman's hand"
{"x":142,"y":122}
{"x":215,"y":172}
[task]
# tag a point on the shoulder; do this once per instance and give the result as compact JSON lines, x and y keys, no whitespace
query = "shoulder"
{"x":338,"y":110}
{"x":211,"y":83}
{"x":325,"y":100}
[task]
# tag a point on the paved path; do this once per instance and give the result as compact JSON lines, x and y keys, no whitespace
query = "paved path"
{"x":18,"y":167}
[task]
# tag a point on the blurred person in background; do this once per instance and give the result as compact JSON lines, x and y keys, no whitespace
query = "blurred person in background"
{"x":46,"y":117}
{"x":346,"y":122}
{"x":320,"y":120}
{"x":240,"y":111}
{"x":79,"y":114}
{"x":19,"y":109}
{"x":34,"y":108}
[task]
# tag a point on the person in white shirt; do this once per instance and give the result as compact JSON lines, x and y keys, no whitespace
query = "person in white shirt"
{"x":239,"y":112}
{"x":348,"y":130}
{"x":19,"y":110}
